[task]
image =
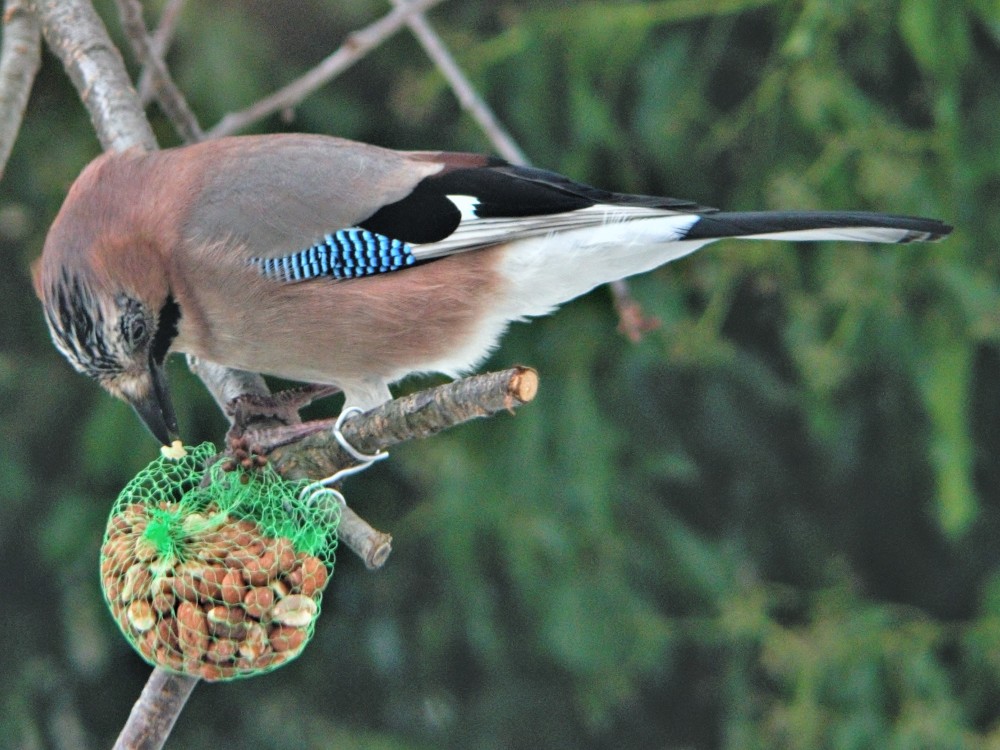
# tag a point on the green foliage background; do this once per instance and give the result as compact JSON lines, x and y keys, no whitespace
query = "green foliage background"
{"x":772,"y":523}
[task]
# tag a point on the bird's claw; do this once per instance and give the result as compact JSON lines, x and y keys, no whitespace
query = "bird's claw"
{"x":241,"y":454}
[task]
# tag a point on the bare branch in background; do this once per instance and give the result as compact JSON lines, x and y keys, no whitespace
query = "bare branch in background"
{"x":78,"y":37}
{"x":226,"y":384}
{"x":633,"y":323}
{"x":357,"y":45}
{"x":160,"y":43}
{"x":20,"y":57}
{"x":467,"y":96}
{"x":168,"y":96}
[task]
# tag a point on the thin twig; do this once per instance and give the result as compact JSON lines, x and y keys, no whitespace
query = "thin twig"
{"x":168,"y":96}
{"x":370,"y":544}
{"x":357,"y":45}
{"x":20,"y":56}
{"x":633,"y":323}
{"x":467,"y":96}
{"x":159,"y":43}
{"x":77,"y":36}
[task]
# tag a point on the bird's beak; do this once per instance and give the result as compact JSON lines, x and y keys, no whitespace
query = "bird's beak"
{"x":155,"y":408}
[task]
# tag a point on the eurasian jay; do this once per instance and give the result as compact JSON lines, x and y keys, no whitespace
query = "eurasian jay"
{"x":322,"y":260}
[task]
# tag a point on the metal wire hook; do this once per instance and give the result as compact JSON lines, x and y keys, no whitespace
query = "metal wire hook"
{"x":322,"y":486}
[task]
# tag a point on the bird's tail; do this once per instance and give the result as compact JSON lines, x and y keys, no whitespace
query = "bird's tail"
{"x":545,"y":271}
{"x":796,"y":226}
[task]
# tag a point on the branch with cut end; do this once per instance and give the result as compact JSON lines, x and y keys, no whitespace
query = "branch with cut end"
{"x":310,"y":450}
{"x":20,"y":56}
{"x":358,"y":44}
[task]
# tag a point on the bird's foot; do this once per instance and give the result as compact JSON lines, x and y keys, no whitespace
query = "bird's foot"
{"x":250,"y":409}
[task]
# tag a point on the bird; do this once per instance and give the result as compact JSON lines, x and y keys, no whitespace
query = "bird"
{"x":328,"y":261}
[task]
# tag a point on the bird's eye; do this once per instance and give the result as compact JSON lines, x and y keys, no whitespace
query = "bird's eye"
{"x":137,"y":331}
{"x":135,"y":328}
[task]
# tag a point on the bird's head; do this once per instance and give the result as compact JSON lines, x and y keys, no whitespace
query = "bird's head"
{"x":107,"y":301}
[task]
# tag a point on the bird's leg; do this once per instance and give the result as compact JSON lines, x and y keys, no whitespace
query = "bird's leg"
{"x":283,"y":407}
{"x":243,"y":438}
{"x":247,"y":438}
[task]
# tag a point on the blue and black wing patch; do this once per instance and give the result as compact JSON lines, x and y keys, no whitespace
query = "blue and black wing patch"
{"x":345,"y":254}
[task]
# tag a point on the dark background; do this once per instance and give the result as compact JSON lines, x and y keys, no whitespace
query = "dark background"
{"x":772,"y":523}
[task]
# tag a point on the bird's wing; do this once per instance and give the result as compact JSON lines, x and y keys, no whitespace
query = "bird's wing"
{"x":307,"y":206}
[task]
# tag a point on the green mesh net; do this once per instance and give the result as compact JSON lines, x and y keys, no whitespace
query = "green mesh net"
{"x":217,"y":578}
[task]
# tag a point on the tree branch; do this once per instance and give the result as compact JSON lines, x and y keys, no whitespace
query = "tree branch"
{"x":357,"y":45}
{"x":20,"y":56}
{"x":77,"y":36}
{"x":168,"y":96}
{"x":309,"y":450}
{"x":226,"y":384}
{"x":156,"y":711}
